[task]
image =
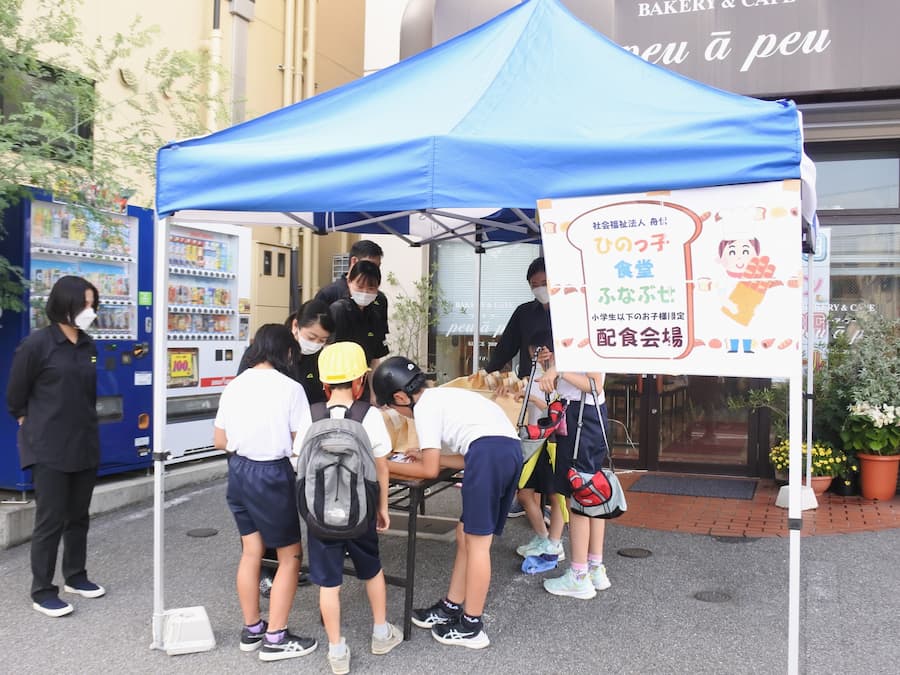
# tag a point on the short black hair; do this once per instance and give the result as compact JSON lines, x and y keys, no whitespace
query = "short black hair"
{"x":365,"y":248}
{"x":537,"y":265}
{"x":365,"y":271}
{"x":67,"y":299}
{"x":273,"y":343}
{"x":310,"y":313}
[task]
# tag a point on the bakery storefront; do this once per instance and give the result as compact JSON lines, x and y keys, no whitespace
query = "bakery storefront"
{"x":837,"y":60}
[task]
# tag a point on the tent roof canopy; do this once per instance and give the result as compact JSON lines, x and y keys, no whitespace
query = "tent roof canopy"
{"x":531,"y":104}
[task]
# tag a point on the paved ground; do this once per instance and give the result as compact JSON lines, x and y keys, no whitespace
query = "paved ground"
{"x":648,"y":622}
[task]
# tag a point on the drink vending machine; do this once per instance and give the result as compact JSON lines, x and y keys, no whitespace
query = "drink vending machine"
{"x":50,"y":239}
{"x":208,"y":284}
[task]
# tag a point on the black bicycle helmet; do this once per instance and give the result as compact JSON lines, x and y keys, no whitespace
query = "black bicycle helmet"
{"x":395,"y":374}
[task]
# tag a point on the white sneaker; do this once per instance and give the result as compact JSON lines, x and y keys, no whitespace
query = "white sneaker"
{"x":383,"y":646}
{"x":598,"y":577}
{"x":340,"y":665}
{"x":540,"y":546}
{"x":569,"y":585}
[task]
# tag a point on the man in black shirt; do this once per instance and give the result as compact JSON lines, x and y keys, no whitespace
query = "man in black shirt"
{"x":528,"y":319}
{"x":363,"y":249}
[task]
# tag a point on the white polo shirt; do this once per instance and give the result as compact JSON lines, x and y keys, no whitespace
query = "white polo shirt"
{"x":259,"y":410}
{"x":451,"y":419}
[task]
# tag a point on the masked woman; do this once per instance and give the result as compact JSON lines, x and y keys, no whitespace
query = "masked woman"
{"x":52,"y":393}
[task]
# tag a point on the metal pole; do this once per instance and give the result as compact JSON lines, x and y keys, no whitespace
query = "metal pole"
{"x":795,"y":424}
{"x":476,"y":329}
{"x":158,"y":332}
{"x":810,"y":310}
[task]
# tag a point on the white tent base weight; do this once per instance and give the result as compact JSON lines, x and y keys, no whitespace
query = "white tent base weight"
{"x":807,"y":497}
{"x":186,"y":631}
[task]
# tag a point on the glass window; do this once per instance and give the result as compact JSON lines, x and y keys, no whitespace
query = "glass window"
{"x":858,"y":183}
{"x":865,"y":268}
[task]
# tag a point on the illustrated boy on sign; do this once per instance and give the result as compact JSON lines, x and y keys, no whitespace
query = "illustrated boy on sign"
{"x":748,"y":276}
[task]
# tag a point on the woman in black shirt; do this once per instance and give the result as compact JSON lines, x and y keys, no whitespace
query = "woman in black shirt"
{"x":52,"y":392}
{"x":355,"y":317}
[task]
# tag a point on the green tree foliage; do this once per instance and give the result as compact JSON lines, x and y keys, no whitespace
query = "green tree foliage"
{"x":79,"y":119}
{"x":413,"y":313}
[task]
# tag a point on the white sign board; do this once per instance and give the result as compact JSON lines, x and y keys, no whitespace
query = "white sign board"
{"x":698,"y":282}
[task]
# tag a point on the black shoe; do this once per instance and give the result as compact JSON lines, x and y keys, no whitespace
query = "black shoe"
{"x":461,"y":634}
{"x":289,"y":647}
{"x":252,"y":641}
{"x":436,"y":615}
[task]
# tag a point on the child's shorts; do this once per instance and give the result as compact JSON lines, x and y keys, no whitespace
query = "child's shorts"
{"x":326,"y":557}
{"x":263,"y":499}
{"x":541,"y":479}
{"x":592,"y":450}
{"x":493,"y":465}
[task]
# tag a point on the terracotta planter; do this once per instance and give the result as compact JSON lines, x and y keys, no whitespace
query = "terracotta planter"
{"x":820,"y":484}
{"x":878,"y":475}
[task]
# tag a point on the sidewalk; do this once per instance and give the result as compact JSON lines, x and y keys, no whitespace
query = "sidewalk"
{"x":757,"y":517}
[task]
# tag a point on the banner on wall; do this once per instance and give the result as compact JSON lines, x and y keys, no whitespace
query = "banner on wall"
{"x":819,"y":284}
{"x":696,"y":282}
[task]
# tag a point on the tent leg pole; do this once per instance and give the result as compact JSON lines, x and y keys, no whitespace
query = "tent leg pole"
{"x":158,"y":352}
{"x":476,"y":329}
{"x":795,"y":470}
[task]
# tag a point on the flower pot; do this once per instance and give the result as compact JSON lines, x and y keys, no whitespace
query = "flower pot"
{"x":878,"y":475}
{"x":781,"y":476}
{"x":820,"y":484}
{"x":840,"y":486}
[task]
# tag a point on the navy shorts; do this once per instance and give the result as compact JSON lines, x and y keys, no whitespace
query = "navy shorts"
{"x":592,"y":448}
{"x":263,"y":499}
{"x":326,"y":557}
{"x":493,"y":465}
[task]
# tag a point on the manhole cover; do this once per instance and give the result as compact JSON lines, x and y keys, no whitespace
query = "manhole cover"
{"x":634,"y":552}
{"x":203,"y":532}
{"x":735,"y":540}
{"x":712,"y":596}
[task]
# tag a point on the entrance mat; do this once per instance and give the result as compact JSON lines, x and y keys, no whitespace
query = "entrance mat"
{"x":691,"y":486}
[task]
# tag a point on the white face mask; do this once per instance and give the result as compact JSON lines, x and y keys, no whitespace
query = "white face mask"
{"x":85,"y":318}
{"x":363,"y":299}
{"x":541,"y":294}
{"x":308,"y":347}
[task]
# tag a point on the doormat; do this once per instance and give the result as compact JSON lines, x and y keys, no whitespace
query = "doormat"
{"x":690,"y":486}
{"x":439,"y":528}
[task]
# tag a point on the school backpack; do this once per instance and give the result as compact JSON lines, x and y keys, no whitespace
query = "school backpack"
{"x":337,"y":489}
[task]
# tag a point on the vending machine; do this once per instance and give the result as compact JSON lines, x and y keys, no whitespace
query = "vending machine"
{"x":208,"y":315}
{"x":49,"y":239}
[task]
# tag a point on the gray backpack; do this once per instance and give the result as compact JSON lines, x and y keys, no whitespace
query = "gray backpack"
{"x":337,"y":488}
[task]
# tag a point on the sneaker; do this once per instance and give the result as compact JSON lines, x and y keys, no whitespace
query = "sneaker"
{"x":516,"y":510}
{"x":85,"y":588}
{"x":570,"y":586}
{"x":340,"y":665}
{"x":539,"y":546}
{"x":252,"y":641}
{"x":436,"y":615}
{"x":457,"y":633}
{"x":598,"y":577}
{"x":384,"y":645}
{"x":53,"y":606}
{"x":290,"y":646}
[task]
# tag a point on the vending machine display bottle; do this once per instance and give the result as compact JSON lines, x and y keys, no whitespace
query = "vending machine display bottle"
{"x":205,"y":343}
{"x":50,"y":239}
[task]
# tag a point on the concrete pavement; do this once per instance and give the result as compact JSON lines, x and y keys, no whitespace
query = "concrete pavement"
{"x":648,"y":622}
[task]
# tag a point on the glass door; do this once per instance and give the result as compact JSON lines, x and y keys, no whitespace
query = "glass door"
{"x":683,"y":423}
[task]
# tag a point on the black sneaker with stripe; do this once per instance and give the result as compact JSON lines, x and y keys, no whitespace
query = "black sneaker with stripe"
{"x":251,"y":641}
{"x":289,"y":647}
{"x":436,"y":615}
{"x":462,"y":634}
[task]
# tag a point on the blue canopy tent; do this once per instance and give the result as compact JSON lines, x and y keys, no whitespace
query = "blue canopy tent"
{"x":532,"y":104}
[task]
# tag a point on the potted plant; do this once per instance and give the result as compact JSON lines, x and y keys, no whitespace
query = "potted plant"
{"x":826,"y":463}
{"x":873,"y":432}
{"x":865,"y":377}
{"x":846,"y":483}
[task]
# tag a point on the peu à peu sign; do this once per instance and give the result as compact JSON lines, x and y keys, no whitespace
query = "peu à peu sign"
{"x":761,"y":47}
